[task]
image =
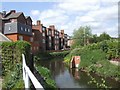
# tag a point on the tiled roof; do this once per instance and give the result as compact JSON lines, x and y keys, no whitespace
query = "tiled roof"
{"x":27,"y":17}
{"x":14,"y":15}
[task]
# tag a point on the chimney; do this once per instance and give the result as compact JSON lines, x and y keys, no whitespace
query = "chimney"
{"x":62,"y":31}
{"x":52,"y":27}
{"x":38,"y":22}
{"x":13,"y":11}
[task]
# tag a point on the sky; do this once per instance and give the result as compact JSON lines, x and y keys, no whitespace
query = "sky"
{"x":100,"y":15}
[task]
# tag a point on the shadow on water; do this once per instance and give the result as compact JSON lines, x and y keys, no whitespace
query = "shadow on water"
{"x":72,"y":78}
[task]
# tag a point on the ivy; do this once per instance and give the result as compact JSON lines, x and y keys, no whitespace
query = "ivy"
{"x":11,"y":54}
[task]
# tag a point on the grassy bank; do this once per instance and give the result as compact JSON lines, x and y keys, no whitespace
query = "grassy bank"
{"x":46,"y":74}
{"x":50,"y":55}
{"x":94,"y":58}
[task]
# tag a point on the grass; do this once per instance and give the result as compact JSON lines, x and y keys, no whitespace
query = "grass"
{"x":47,"y":76}
{"x":95,"y":61}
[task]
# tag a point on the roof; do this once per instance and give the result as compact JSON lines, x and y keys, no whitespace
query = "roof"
{"x":14,"y":15}
{"x":28,"y":17}
{"x":3,"y":38}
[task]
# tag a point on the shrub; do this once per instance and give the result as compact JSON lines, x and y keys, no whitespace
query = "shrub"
{"x":12,"y":62}
{"x":47,"y":75}
{"x":59,"y":54}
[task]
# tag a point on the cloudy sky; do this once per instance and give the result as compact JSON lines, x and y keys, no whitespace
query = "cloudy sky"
{"x":100,"y":15}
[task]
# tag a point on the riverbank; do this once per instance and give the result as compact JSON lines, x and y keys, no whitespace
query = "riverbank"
{"x":45,"y":72}
{"x":45,"y":75}
{"x":94,"y":59}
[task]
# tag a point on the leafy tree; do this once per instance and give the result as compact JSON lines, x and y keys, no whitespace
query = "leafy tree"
{"x":81,"y":36}
{"x":94,"y":38}
{"x":104,"y":36}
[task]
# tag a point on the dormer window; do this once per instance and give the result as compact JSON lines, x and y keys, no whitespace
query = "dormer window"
{"x":25,"y":29}
{"x":9,"y":28}
{"x":21,"y":28}
{"x":28,"y":30}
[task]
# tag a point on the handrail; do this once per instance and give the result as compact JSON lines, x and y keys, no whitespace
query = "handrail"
{"x":27,"y":74}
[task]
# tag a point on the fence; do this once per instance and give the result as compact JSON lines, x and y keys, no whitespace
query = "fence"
{"x":28,"y":75}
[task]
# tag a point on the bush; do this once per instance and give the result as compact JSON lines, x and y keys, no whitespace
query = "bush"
{"x":93,"y":58}
{"x":47,"y":75}
{"x":12,"y":61}
{"x":59,"y":54}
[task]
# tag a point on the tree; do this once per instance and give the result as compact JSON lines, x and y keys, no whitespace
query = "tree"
{"x":94,"y":38}
{"x":104,"y":36}
{"x":81,"y":36}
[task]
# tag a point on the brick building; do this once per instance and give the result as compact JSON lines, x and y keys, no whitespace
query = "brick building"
{"x":61,"y":39}
{"x":39,"y":34}
{"x":55,"y":38}
{"x":16,"y":26}
{"x":48,"y":39}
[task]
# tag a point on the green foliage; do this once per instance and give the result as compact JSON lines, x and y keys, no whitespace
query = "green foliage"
{"x":13,"y":78}
{"x":91,"y":57}
{"x":59,"y":54}
{"x":104,"y":36}
{"x":94,"y":58}
{"x":47,"y":75}
{"x":81,"y":36}
{"x":99,"y":84}
{"x":12,"y":62}
{"x":11,"y":54}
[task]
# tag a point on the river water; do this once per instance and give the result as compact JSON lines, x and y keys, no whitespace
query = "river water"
{"x":73,"y":78}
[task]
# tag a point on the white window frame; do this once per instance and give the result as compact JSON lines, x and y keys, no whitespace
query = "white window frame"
{"x":9,"y":28}
{"x":31,"y":39}
{"x":21,"y":38}
{"x":28,"y":30}
{"x":43,"y":40}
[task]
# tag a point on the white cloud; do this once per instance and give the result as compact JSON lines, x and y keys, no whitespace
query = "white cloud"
{"x":82,"y":5}
{"x":35,"y":12}
{"x":101,"y":15}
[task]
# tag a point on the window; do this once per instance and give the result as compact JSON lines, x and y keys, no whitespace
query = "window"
{"x":49,"y":32}
{"x":9,"y":28}
{"x":43,"y":34}
{"x":43,"y":40}
{"x":28,"y":30}
{"x":21,"y":38}
{"x":21,"y":28}
{"x":37,"y":48}
{"x":50,"y":44}
{"x":25,"y":29}
{"x":31,"y":48}
{"x":33,"y":33}
{"x":31,"y":39}
{"x":49,"y":37}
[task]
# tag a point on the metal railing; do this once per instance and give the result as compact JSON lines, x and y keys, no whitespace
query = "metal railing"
{"x":28,"y":75}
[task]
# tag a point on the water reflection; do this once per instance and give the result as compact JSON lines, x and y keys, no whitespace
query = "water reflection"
{"x":75,"y":73}
{"x":70,"y":78}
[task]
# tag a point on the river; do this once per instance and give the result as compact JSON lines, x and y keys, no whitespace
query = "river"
{"x":73,"y":78}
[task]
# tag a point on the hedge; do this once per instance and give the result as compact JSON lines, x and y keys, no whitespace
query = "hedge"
{"x":11,"y":54}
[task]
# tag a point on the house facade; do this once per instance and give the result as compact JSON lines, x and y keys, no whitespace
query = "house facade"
{"x":39,"y":34}
{"x":16,"y":26}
